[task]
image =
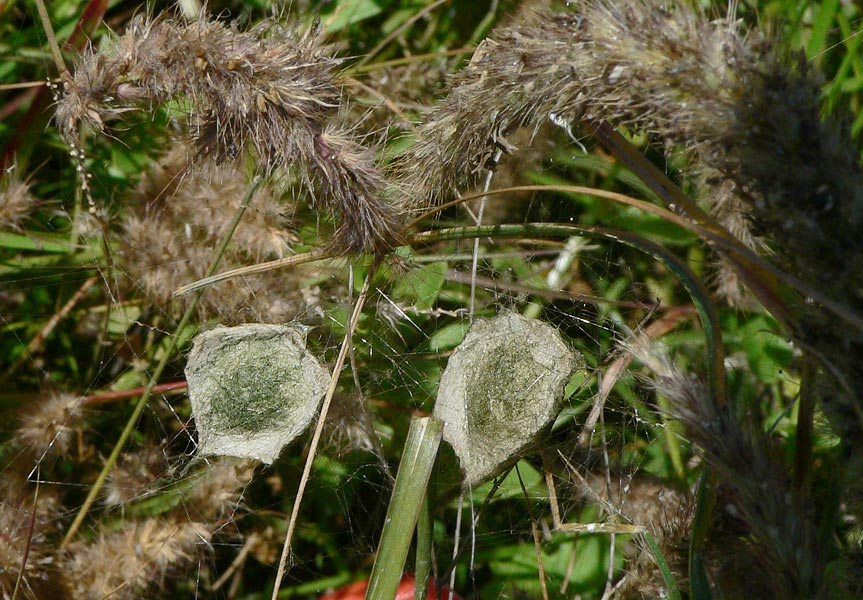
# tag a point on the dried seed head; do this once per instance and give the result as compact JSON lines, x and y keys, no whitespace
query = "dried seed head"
{"x":179,"y":217}
{"x":269,"y":89}
{"x":781,"y":537}
{"x":50,"y":425}
{"x":42,"y":578}
{"x":134,"y":475}
{"x":666,"y":513}
{"x":16,"y":202}
{"x":218,"y":489}
{"x":348,"y":427}
{"x":126,"y":563}
{"x":518,"y":78}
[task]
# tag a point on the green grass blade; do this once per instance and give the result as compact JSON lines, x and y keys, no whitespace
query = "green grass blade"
{"x":422,"y":564}
{"x":35,"y":242}
{"x":824,"y":18}
{"x":698,"y":582}
{"x":671,"y":588}
{"x":412,"y":480}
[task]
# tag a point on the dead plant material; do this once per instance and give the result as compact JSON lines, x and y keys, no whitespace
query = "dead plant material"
{"x":780,"y":538}
{"x":270,"y":89}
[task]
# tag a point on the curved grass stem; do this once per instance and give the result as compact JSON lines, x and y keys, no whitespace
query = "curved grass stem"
{"x":699,"y":293}
{"x":288,"y":261}
{"x":762,"y":277}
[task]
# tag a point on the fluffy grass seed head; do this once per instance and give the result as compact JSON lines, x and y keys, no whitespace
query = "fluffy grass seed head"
{"x":135,"y":560}
{"x":178,"y":215}
{"x":126,"y":563}
{"x":16,"y":202}
{"x":134,"y":475}
{"x":270,"y":89}
{"x":780,"y":538}
{"x":50,"y":425}
{"x":42,"y":577}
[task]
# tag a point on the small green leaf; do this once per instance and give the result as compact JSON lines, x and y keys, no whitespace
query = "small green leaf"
{"x":510,"y":487}
{"x":821,"y":25}
{"x":422,"y":285}
{"x":515,"y":566}
{"x":767,"y":352}
{"x":448,"y":337}
{"x":349,"y":12}
{"x":671,"y":588}
{"x":121,"y":318}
